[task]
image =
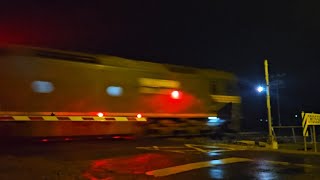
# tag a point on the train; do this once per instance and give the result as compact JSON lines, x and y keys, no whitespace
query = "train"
{"x":56,"y":93}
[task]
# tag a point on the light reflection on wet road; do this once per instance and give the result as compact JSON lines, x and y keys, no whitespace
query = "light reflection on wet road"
{"x":150,"y":159}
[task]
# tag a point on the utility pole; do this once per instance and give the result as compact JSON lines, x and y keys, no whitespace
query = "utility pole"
{"x":276,"y":83}
{"x":278,"y":105}
{"x":272,"y":139}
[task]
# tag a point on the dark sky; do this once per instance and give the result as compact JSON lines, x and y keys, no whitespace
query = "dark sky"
{"x":234,"y":36}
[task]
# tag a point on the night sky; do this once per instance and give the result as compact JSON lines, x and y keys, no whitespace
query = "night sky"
{"x":234,"y":36}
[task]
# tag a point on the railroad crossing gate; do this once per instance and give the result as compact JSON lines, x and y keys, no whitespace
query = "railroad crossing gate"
{"x":310,"y":119}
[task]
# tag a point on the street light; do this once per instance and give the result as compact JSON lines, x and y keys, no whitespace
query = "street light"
{"x":260,"y":89}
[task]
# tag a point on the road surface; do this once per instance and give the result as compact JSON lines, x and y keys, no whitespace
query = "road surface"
{"x":150,"y":159}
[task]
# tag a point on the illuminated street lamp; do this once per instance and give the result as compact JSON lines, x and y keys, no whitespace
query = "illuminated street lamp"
{"x":260,"y":89}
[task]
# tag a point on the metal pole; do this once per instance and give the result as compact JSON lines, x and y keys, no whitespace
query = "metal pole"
{"x":271,"y":138}
{"x":294,"y":136}
{"x":314,"y":138}
{"x":305,"y":143}
{"x":304,"y":135}
{"x":311,"y":134}
{"x":278,"y":103}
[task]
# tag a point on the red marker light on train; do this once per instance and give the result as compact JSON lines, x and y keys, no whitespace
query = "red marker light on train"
{"x":44,"y":140}
{"x":175,"y":94}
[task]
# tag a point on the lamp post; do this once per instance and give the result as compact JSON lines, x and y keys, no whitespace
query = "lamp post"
{"x":277,"y":83}
{"x":272,"y":139}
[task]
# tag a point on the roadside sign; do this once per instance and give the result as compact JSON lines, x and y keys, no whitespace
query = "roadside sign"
{"x":311,"y":119}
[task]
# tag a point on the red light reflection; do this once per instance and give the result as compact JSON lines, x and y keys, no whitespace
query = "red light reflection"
{"x":116,"y":137}
{"x":67,"y":139}
{"x":138,"y":164}
{"x":129,"y":137}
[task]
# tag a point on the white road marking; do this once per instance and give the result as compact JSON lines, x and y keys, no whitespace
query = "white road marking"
{"x":162,"y":147}
{"x":204,"y":164}
{"x":196,"y":148}
{"x":184,"y":149}
{"x":146,"y":148}
{"x":174,"y":149}
{"x":188,"y":167}
{"x":287,"y":163}
{"x":217,"y":148}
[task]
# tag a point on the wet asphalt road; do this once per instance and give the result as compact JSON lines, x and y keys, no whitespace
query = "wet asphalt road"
{"x":150,"y":159}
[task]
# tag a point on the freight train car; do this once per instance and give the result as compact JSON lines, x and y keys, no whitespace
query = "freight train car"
{"x":46,"y":92}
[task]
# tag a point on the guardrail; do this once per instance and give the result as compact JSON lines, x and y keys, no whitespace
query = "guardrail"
{"x":293,"y":131}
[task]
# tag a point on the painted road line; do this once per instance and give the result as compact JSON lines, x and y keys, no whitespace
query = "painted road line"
{"x":219,"y":150}
{"x":161,"y":147}
{"x":155,"y":147}
{"x":166,"y":149}
{"x":287,"y":164}
{"x":210,"y":149}
{"x":232,"y":147}
{"x":187,"y":148}
{"x":176,"y":151}
{"x":188,"y":167}
{"x":204,"y":164}
{"x":196,"y":148}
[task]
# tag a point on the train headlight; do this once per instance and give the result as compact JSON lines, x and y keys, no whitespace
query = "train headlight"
{"x":139,"y":116}
{"x":100,"y":114}
{"x":175,"y":95}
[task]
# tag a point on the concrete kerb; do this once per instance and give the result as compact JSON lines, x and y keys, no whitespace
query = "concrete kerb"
{"x":255,"y":146}
{"x":263,"y":146}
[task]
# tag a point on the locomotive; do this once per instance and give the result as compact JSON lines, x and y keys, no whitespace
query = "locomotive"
{"x":54,"y":93}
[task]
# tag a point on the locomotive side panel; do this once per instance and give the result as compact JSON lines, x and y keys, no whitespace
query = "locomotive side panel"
{"x":33,"y":84}
{"x":46,"y":85}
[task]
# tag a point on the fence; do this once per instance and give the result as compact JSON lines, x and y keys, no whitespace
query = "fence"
{"x":289,"y":133}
